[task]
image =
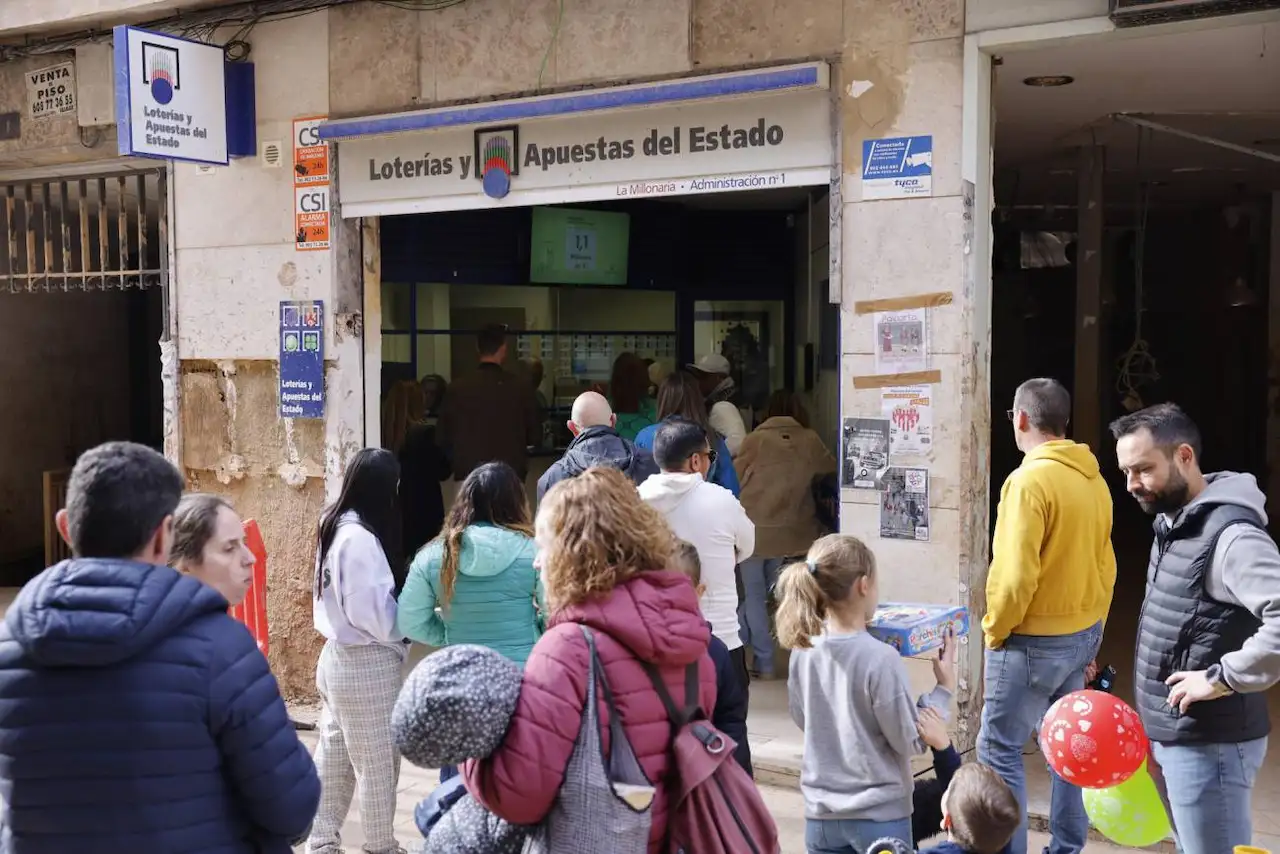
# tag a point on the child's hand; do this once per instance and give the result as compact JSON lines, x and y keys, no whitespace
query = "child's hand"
{"x":933,"y":729}
{"x":944,"y":666}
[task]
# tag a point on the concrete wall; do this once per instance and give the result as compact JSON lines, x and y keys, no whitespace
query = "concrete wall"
{"x":64,"y":368}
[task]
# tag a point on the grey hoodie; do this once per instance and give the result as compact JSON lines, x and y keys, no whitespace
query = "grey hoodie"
{"x":1246,"y":573}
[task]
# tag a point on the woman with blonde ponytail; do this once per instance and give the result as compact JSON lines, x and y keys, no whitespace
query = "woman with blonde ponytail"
{"x":475,"y":583}
{"x":850,"y":695}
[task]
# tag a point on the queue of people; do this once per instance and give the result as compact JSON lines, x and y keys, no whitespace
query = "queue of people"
{"x":615,"y":629}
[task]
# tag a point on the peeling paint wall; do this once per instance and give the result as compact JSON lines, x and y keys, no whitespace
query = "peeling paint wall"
{"x":235,"y":261}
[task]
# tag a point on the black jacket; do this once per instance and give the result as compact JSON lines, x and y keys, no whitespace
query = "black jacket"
{"x":730,"y":713}
{"x":422,"y":466}
{"x":1182,"y":629}
{"x":599,"y":446}
{"x":926,"y":800}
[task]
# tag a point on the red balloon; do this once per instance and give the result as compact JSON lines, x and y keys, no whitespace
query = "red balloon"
{"x":1093,"y":740}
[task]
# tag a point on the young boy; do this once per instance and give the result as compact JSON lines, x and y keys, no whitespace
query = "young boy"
{"x":926,"y":815}
{"x":730,"y":713}
{"x":979,"y":813}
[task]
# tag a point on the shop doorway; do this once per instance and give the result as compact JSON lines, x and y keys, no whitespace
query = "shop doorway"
{"x":742,"y":275}
{"x":83,"y":286}
{"x":1134,"y":254}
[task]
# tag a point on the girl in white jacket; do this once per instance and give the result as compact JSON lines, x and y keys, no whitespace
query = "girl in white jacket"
{"x":360,"y":669}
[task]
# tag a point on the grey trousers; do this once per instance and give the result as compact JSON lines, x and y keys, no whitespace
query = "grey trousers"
{"x":356,"y":757}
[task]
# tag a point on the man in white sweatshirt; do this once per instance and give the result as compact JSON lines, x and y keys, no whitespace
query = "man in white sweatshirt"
{"x":709,"y":517}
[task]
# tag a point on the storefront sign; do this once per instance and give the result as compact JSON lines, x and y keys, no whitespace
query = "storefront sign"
{"x":311,"y":216}
{"x":51,"y":91}
{"x":898,"y":168}
{"x":302,"y":359}
{"x":171,"y":99}
{"x":769,"y":141}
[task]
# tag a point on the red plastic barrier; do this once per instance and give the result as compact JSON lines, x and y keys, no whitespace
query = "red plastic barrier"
{"x":253,"y":610}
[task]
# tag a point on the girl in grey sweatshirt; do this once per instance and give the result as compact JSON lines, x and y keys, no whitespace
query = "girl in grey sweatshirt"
{"x":850,"y":695}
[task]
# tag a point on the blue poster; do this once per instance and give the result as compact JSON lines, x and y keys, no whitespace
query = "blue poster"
{"x":302,"y":359}
{"x":897,"y":168}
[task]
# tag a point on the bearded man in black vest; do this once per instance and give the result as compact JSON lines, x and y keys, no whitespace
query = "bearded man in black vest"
{"x":1209,"y":635}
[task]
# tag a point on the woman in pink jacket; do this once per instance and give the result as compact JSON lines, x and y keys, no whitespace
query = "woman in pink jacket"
{"x":602,"y":553}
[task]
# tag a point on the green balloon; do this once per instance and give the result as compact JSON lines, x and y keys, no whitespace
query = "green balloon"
{"x":1130,"y":814}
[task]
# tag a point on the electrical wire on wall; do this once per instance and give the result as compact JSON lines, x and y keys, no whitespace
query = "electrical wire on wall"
{"x":1137,"y":367}
{"x":204,"y":25}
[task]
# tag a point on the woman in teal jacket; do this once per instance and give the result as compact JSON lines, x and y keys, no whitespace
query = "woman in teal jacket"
{"x":475,"y":583}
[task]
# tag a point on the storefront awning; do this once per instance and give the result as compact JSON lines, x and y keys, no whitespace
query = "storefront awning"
{"x":793,"y":78}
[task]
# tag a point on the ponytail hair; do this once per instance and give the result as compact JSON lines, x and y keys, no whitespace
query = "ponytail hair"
{"x":808,"y":589}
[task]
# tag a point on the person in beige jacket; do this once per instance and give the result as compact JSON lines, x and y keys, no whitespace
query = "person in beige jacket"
{"x":776,"y":464}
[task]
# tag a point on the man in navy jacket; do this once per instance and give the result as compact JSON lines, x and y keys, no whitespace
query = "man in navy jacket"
{"x":135,"y":714}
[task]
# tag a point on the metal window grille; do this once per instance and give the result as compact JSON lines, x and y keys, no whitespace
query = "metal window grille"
{"x":99,"y":233}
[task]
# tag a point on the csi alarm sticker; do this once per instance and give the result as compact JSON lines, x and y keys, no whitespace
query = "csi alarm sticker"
{"x":311,"y":217}
{"x":310,"y":152}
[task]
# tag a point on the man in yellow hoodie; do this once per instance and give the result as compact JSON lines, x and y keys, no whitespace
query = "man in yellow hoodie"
{"x":1048,"y":592}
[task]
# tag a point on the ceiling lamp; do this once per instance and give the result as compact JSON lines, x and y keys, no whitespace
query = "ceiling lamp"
{"x":1049,"y":81}
{"x":1240,"y":295}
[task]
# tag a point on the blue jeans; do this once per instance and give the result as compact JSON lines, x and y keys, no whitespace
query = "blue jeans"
{"x":759,"y":574}
{"x":851,"y":835}
{"x":1210,"y":788}
{"x":1021,"y":681}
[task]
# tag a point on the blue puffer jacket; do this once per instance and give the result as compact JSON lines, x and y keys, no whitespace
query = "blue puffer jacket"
{"x":137,"y":716}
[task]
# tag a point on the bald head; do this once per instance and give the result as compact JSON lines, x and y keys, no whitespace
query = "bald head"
{"x":590,"y":410}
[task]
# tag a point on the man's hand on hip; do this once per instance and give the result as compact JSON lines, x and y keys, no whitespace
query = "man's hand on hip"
{"x":1193,"y":687}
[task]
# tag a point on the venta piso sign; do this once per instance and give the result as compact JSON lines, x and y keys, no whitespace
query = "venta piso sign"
{"x":756,"y":143}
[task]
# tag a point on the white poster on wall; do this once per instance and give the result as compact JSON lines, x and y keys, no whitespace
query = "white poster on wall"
{"x":910,"y":413}
{"x":171,"y":99}
{"x":902,"y":341}
{"x":51,"y":91}
{"x":904,"y":505}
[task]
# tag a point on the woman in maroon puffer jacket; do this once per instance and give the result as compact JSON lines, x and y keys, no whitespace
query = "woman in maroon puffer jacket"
{"x":601,"y":551}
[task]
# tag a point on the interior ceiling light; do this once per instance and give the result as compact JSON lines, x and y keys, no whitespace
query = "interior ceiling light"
{"x":1049,"y":81}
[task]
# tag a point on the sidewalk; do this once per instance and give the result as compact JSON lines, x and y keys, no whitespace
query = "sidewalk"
{"x":786,"y":805}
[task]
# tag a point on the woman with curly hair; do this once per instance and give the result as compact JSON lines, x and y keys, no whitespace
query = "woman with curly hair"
{"x":603,"y":554}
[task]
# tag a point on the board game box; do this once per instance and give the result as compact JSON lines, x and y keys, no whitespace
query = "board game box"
{"x":916,"y":629}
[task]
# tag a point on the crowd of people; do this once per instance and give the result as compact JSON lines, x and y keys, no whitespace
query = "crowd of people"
{"x":597,"y":648}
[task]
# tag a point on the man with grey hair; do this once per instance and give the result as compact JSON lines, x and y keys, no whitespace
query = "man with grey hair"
{"x":1049,"y":590}
{"x":1209,"y":637}
{"x":596,"y":443}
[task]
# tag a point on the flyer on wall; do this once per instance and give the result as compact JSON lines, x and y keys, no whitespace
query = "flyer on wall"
{"x":910,"y":413}
{"x":904,"y":504}
{"x":901,"y":341}
{"x":865,"y":452}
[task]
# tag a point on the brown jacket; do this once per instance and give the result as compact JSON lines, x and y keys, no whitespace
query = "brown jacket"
{"x":776,"y":465}
{"x":489,"y":415}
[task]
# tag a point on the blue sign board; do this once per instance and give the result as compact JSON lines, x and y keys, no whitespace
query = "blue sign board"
{"x":897,"y":168}
{"x":302,"y":359}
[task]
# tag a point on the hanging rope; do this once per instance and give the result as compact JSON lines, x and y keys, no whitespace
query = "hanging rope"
{"x":1137,"y":367}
